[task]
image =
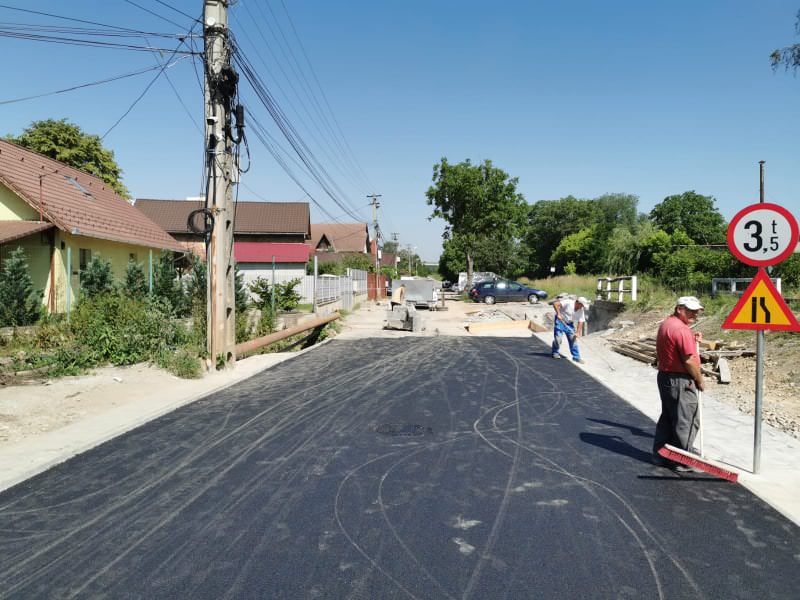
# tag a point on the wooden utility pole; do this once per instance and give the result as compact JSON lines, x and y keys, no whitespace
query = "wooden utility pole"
{"x":220,"y":91}
{"x":375,"y":206}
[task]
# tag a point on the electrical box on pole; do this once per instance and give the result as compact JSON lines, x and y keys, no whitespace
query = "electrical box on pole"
{"x":220,"y":93}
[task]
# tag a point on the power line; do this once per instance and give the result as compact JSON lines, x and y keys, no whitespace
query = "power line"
{"x":299,"y":100}
{"x":155,"y":14}
{"x":93,"y":83}
{"x":36,"y":12}
{"x":146,"y":89}
{"x":324,"y":96}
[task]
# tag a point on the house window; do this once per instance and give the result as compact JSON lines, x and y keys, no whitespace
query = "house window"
{"x":85,"y":257}
{"x":132,"y":257}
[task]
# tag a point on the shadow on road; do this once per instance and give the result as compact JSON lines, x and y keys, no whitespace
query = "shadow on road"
{"x":634,"y":430}
{"x":616,"y":444}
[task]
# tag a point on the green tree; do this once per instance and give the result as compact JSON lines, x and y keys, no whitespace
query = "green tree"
{"x":97,"y":279}
{"x":789,"y":56}
{"x":19,"y":304}
{"x":136,"y":284}
{"x":69,"y":144}
{"x":549,"y":221}
{"x":693,"y":214}
{"x":475,"y":201}
{"x":241,"y":297}
{"x":362,"y":262}
{"x":582,"y":250}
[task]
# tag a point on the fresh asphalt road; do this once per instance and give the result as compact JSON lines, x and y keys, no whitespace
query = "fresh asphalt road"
{"x":427,"y":467}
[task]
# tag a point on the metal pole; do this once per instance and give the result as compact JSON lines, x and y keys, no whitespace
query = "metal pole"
{"x":759,"y":400}
{"x":69,"y":281}
{"x":150,"y":271}
{"x":314,"y":289}
{"x":759,"y":365}
{"x":272,"y":300}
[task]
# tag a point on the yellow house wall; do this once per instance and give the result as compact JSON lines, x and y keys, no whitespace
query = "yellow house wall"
{"x":115,"y":252}
{"x":14,"y":208}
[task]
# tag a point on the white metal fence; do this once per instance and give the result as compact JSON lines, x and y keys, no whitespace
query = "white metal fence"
{"x":621,"y":290}
{"x":330,"y":288}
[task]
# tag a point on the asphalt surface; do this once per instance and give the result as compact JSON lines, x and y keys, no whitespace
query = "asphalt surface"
{"x":435,"y":467}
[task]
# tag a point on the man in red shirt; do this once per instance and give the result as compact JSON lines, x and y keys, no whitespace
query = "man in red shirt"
{"x":679,"y":380}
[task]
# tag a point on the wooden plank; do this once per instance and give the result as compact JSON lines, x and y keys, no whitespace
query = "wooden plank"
{"x":634,"y":354}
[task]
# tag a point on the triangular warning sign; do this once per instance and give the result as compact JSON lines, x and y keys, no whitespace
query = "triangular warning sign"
{"x":761,"y":307}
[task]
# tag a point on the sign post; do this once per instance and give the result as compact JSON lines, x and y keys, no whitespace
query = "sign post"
{"x":761,"y":235}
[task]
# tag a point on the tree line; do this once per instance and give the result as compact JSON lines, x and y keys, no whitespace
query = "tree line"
{"x":489,"y":226}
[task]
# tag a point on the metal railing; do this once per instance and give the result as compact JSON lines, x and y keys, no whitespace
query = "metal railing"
{"x":621,"y":290}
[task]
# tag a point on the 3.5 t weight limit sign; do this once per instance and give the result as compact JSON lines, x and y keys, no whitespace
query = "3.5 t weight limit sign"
{"x":762,"y":234}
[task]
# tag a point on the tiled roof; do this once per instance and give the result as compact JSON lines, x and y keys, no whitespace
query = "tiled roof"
{"x":345,"y":237}
{"x":75,"y":201}
{"x":262,"y":252}
{"x":251,"y":217}
{"x":13,"y":230}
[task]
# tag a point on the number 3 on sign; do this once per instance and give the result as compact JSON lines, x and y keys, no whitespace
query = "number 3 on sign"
{"x":762,"y":234}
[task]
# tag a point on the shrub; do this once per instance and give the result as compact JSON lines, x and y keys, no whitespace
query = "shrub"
{"x":19,"y":304}
{"x":286,"y":298}
{"x":123,"y":331}
{"x":97,"y":278}
{"x":166,"y":286}
{"x":136,"y":284}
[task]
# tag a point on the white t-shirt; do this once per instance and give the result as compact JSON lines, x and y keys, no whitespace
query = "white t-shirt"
{"x":568,"y":312}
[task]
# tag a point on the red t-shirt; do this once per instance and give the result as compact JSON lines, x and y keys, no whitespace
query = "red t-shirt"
{"x":674,"y":344}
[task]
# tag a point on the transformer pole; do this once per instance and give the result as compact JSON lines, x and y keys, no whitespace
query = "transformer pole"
{"x":220,"y":91}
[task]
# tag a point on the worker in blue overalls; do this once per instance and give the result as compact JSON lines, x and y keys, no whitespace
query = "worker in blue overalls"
{"x":569,"y":321}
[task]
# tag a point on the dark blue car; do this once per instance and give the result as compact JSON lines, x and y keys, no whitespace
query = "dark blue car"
{"x":505,"y":290}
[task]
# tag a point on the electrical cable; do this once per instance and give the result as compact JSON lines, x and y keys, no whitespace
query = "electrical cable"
{"x":146,"y":89}
{"x":93,"y":83}
{"x":36,"y":12}
{"x":290,"y":133}
{"x":155,"y":14}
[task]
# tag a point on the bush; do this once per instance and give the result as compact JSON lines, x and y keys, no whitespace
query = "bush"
{"x":97,"y":278}
{"x":136,"y":284}
{"x":19,"y":304}
{"x":122,"y":331}
{"x":286,"y":298}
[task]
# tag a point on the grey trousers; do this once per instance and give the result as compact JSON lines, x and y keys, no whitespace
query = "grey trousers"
{"x":678,"y":422}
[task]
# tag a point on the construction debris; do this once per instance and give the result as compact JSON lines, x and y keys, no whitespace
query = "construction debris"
{"x":713,"y":355}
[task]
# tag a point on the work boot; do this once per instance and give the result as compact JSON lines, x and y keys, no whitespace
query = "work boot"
{"x":579,"y":360}
{"x":556,"y":356}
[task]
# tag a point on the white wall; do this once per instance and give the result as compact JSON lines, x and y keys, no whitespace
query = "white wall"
{"x":283,"y":272}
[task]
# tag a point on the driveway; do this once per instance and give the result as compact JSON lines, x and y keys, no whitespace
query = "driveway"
{"x":421,"y":467}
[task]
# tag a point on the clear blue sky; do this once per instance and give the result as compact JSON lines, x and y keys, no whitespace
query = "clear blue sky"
{"x":581,"y":98}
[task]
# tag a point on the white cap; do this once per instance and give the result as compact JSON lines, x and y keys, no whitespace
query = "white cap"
{"x":583,"y":301}
{"x":689,"y":302}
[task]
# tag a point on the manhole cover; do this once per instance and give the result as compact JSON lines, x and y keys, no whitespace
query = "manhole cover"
{"x":404,"y":429}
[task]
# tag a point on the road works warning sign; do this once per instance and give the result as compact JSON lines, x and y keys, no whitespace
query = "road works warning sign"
{"x":761,"y":307}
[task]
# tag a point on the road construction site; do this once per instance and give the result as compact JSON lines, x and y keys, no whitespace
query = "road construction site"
{"x":394,"y":464}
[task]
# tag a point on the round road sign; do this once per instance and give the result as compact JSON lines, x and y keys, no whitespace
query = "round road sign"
{"x":762,"y":234}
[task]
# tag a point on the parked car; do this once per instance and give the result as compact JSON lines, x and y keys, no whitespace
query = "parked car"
{"x":505,"y":290}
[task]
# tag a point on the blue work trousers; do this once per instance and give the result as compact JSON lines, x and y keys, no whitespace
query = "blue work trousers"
{"x":561,"y":329}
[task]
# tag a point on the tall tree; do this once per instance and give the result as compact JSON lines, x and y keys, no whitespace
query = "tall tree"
{"x":68,"y":143}
{"x":476,"y":202}
{"x":693,"y":214}
{"x":549,"y":221}
{"x":789,"y":56}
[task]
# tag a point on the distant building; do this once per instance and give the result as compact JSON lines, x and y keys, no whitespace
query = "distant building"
{"x":263,"y":232}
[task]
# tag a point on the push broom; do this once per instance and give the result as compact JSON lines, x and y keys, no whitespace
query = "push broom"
{"x":692,"y":460}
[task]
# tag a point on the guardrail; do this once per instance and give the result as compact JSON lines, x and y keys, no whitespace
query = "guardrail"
{"x":732,"y":284}
{"x":621,"y":289}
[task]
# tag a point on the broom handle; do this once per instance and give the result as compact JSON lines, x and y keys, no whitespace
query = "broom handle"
{"x":700,"y":410}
